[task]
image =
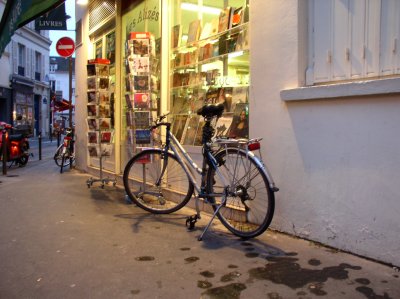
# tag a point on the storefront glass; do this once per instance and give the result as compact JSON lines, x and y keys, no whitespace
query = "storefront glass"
{"x":140,"y":82}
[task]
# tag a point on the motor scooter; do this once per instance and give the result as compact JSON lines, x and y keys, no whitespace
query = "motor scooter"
{"x":17,"y":145}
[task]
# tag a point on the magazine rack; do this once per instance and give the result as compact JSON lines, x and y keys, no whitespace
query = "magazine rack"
{"x":100,"y":131}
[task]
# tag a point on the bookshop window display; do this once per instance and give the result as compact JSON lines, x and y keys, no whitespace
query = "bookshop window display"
{"x":209,"y":63}
{"x":140,"y":82}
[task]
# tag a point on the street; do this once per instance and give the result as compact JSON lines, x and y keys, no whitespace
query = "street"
{"x":61,"y":239}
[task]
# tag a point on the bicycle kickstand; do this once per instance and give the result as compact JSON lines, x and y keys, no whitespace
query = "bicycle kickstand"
{"x":200,"y":238}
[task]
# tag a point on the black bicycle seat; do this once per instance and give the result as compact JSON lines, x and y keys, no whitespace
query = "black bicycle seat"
{"x":211,"y":110}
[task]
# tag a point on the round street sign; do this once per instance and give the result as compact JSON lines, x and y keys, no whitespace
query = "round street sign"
{"x":65,"y":46}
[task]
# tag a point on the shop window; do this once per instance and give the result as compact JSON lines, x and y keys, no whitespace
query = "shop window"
{"x":209,"y":62}
{"x":353,"y":40}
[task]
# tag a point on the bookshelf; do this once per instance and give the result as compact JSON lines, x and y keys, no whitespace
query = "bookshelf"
{"x":210,"y":66}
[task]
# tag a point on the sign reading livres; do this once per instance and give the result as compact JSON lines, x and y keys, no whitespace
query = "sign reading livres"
{"x":65,"y":46}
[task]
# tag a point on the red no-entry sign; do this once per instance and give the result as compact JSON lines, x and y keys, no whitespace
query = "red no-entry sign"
{"x":65,"y":46}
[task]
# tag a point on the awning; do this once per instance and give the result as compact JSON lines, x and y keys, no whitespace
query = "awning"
{"x":63,"y":105}
{"x":18,"y":13}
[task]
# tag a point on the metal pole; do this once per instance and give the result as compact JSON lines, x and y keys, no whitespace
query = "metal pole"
{"x":70,"y":92}
{"x":4,"y":145}
{"x":40,"y":145}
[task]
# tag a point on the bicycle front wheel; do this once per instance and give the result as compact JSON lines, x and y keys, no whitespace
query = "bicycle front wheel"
{"x":157,"y":182}
{"x":249,"y":205}
{"x":58,"y":157}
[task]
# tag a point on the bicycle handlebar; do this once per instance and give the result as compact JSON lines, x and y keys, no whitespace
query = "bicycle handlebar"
{"x":159,"y":121}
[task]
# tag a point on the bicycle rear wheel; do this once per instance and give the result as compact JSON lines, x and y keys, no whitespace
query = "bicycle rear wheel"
{"x":250,"y":203}
{"x":157,"y":182}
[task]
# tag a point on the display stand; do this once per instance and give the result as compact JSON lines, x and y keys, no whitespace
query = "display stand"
{"x":100,"y":132}
{"x":141,"y":90}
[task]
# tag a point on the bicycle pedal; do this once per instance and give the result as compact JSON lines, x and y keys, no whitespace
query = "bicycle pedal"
{"x":191,"y":221}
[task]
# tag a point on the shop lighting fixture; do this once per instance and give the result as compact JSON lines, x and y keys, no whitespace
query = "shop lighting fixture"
{"x":204,"y":9}
{"x":82,"y":2}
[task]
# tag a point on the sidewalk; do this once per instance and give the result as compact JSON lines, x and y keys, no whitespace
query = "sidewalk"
{"x":60,"y":239}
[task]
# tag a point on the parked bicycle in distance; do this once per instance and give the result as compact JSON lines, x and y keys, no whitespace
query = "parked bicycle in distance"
{"x":65,"y":155}
{"x":234,"y":181}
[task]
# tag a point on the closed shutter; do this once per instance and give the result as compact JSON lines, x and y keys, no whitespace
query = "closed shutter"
{"x":340,"y":39}
{"x":29,"y":62}
{"x":357,"y":35}
{"x":42,"y":71}
{"x":372,"y":32}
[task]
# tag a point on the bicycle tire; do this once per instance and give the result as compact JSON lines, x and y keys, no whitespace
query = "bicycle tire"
{"x":141,"y":173}
{"x":58,"y":157}
{"x":63,"y":159}
{"x":250,"y":204}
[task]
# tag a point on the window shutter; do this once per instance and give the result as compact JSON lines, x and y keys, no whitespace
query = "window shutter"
{"x":340,"y":63}
{"x":357,"y":37}
{"x":389,"y":30}
{"x":322,"y":14}
{"x":28,"y":64}
{"x":42,"y":71}
{"x":372,"y":24}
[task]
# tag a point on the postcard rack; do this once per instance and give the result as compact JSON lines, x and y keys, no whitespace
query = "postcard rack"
{"x":100,"y":131}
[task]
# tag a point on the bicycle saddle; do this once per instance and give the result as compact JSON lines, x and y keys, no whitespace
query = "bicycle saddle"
{"x":211,"y":110}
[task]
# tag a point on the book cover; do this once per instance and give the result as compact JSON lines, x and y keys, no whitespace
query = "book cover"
{"x":142,"y":119}
{"x":214,"y":26}
{"x":106,"y":137}
{"x":223,"y":125}
{"x":237,"y":17}
{"x":194,"y":31}
{"x":240,"y":124}
{"x":179,"y":125}
{"x":103,"y":83}
{"x":139,"y":47}
{"x":104,"y":124}
{"x":104,"y":111}
{"x":225,"y":19}
{"x":142,"y":136}
{"x":139,"y":65}
{"x":191,"y":130}
{"x":141,"y":83}
{"x":104,"y":98}
{"x":106,"y":150}
{"x":102,"y":70}
{"x":206,"y":31}
{"x":91,"y":83}
{"x":91,"y":97}
{"x":93,"y":150}
{"x":176,"y":36}
{"x":92,"y":111}
{"x":199,"y":133}
{"x":92,"y":124}
{"x":91,"y":70}
{"x":239,"y":95}
{"x":142,"y":100}
{"x":93,"y":137}
{"x":242,"y":40}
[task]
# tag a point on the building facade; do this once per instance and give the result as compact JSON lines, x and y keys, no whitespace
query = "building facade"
{"x":59,"y":85}
{"x":319,"y":81}
{"x":24,"y":82}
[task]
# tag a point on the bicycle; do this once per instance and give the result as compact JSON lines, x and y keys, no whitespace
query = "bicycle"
{"x":234,"y":181}
{"x":64,"y":155}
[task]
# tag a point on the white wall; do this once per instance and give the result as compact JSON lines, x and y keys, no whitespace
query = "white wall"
{"x":336,"y":162}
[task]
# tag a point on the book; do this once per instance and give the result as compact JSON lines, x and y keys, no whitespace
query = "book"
{"x":104,"y":98}
{"x":142,"y":119}
{"x":91,"y":97}
{"x":91,"y":83}
{"x":179,"y":125}
{"x":141,"y":100}
{"x":106,"y":150}
{"x":92,"y":124}
{"x":223,"y":125}
{"x":139,"y":65}
{"x":93,"y":150}
{"x":104,"y":123}
{"x":225,"y":18}
{"x":142,"y":136}
{"x":141,"y":83}
{"x":91,"y":70}
{"x":191,"y":130}
{"x":194,"y":31}
{"x":104,"y":111}
{"x":240,"y":123}
{"x":237,"y":17}
{"x":206,"y":31}
{"x":93,"y":137}
{"x":139,"y":47}
{"x":92,"y":110}
{"x":106,"y":137}
{"x":128,"y":101}
{"x":176,"y":36}
{"x":214,"y":26}
{"x":103,"y":83}
{"x":239,"y":95}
